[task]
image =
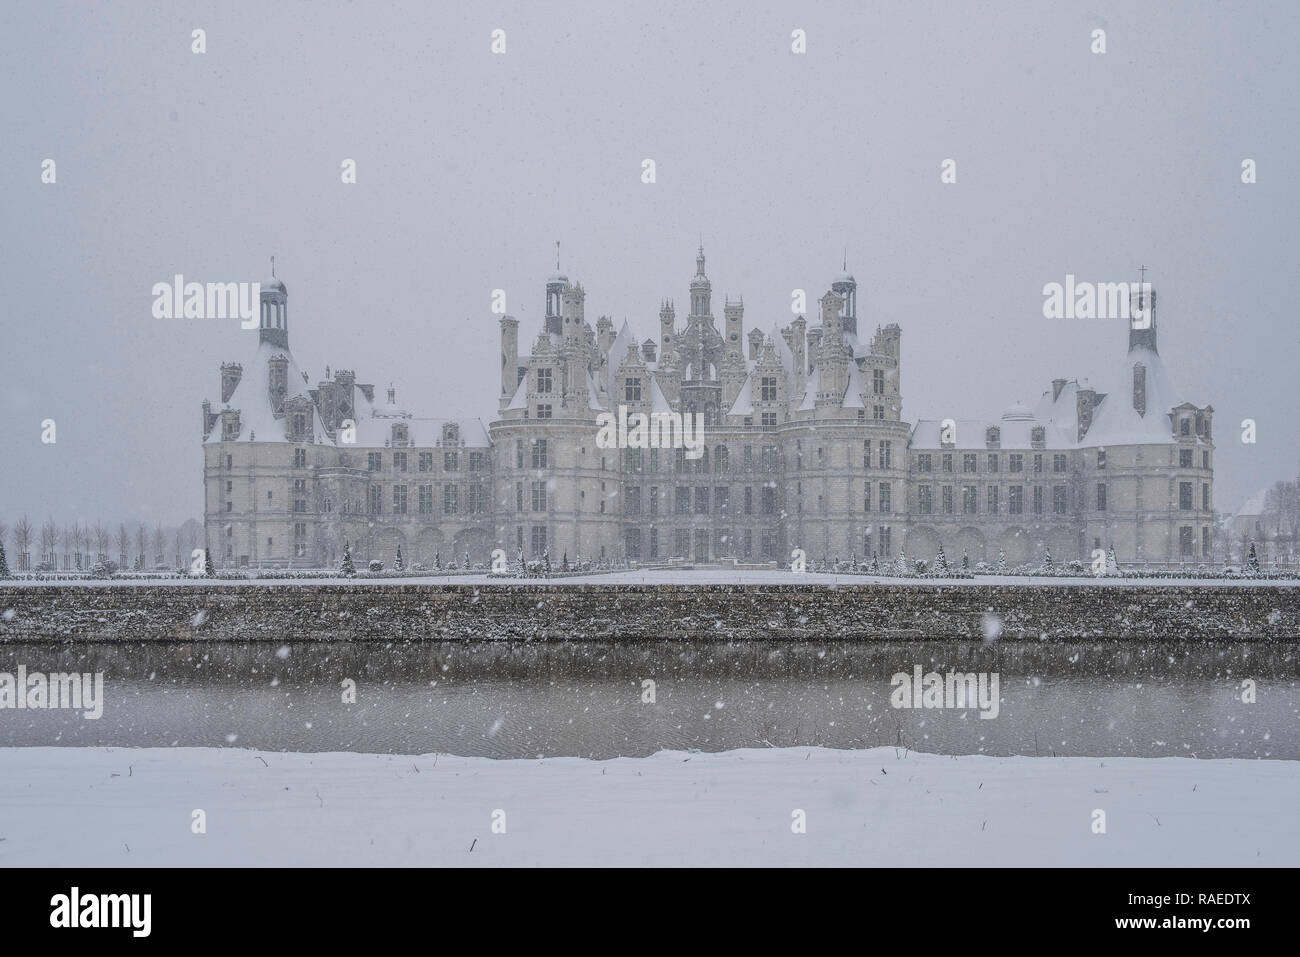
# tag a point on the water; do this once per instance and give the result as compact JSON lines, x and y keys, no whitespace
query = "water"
{"x":522,"y":701}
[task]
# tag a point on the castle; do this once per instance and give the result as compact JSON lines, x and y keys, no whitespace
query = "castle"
{"x":805,"y":446}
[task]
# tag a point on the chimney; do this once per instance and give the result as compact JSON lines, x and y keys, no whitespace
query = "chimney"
{"x":1057,"y":386}
{"x":1140,"y":388}
{"x":648,"y":350}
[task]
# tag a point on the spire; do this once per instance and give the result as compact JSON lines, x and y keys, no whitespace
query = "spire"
{"x":557,"y":255}
{"x":273,"y":265}
{"x":845,"y":263}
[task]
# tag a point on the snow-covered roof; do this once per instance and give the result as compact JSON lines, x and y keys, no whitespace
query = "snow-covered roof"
{"x":1116,"y":422}
{"x":744,"y":404}
{"x":252,"y":397}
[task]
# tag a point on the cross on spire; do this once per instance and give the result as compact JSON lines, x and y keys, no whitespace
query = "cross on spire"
{"x":1143,"y":271}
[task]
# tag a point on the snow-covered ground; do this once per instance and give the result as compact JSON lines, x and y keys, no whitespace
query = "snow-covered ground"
{"x":78,"y":807}
{"x":702,"y":576}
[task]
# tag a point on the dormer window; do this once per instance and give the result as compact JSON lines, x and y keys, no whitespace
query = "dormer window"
{"x":400,"y":435}
{"x":1038,"y":435}
{"x":451,"y":432}
{"x":993,"y":436}
{"x":632,"y":390}
{"x":544,"y":380}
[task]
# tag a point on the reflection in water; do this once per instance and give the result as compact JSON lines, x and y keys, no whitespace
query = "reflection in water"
{"x":585,"y":699}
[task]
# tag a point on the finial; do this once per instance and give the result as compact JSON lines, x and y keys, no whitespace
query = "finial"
{"x":272,"y":265}
{"x":557,"y":255}
{"x":1143,"y":271}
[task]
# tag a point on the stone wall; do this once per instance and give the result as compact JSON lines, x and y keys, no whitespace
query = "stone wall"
{"x":372,"y":612}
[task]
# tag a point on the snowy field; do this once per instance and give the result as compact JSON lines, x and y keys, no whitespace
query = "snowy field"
{"x":79,"y":807}
{"x":708,"y":576}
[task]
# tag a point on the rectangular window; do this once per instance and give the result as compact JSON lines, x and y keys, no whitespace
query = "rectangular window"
{"x":399,"y":499}
{"x":1205,"y":541}
{"x":1038,"y":463}
{"x":768,"y":500}
{"x":866,"y":496}
{"x":768,"y":388}
{"x":886,"y":454}
{"x":1205,"y":460}
{"x":539,"y":456}
{"x":451,"y":461}
{"x":426,"y":499}
{"x":1185,"y":536}
{"x":300,"y":458}
{"x":968,"y":500}
{"x":924,"y":499}
{"x":537,"y":492}
{"x":770,"y":458}
{"x":632,"y":542}
{"x":682,"y":499}
{"x":1038,"y":500}
{"x":878,"y":413}
{"x":478,"y":499}
{"x":947,"y":500}
{"x":923,"y":462}
{"x":1059,"y":500}
{"x":947,"y":461}
{"x":544,"y":380}
{"x":749,"y":500}
{"x":477,"y":461}
{"x":632,"y":460}
{"x":539,"y":540}
{"x":1016,"y":462}
{"x":376,"y":499}
{"x":721,"y":499}
{"x":426,"y":461}
{"x":701,"y":500}
{"x":654,"y":500}
{"x":1205,"y":497}
{"x":767,"y":420}
{"x":519,"y":496}
{"x":1058,"y":463}
{"x":399,"y":461}
{"x":885,"y":497}
{"x":632,"y":390}
{"x":968,"y":462}
{"x":886,"y":542}
{"x":993,"y":463}
{"x":878,"y":381}
{"x":374,"y":461}
{"x":1101,"y":458}
{"x":1184,"y":495}
{"x":1016,"y":500}
{"x":654,"y":542}
{"x":519,"y":461}
{"x":632,"y":500}
{"x":450,"y":499}
{"x":993,"y":500}
{"x":866,"y":454}
{"x":1101,"y":496}
{"x":1184,"y":458}
{"x":544,"y":411}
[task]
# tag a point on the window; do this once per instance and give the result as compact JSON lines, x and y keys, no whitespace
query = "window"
{"x":878,"y":381}
{"x":721,"y":462}
{"x":1101,"y":496}
{"x":654,"y":499}
{"x":968,"y":462}
{"x":229,"y":486}
{"x":1016,"y":500}
{"x":654,"y":543}
{"x":426,"y":499}
{"x":538,"y":496}
{"x":947,"y":500}
{"x":544,"y":411}
{"x":1185,"y":536}
{"x":878,"y":413}
{"x":1205,"y":541}
{"x":632,"y":542}
{"x":770,"y":458}
{"x":477,"y":461}
{"x":229,"y":506}
{"x":924,"y":499}
{"x":886,"y":454}
{"x":947,"y":461}
{"x":1038,"y":463}
{"x":632,"y":390}
{"x":923,"y":462}
{"x":399,"y":499}
{"x":229,"y":460}
{"x":866,"y":454}
{"x":886,"y":545}
{"x":543,"y":380}
{"x":426,"y":461}
{"x":632,"y":500}
{"x":539,"y":540}
{"x":519,"y":454}
{"x":1101,"y":458}
{"x":1016,"y":462}
{"x":1185,"y":426}
{"x":993,"y":435}
{"x":768,"y":388}
{"x":885,"y":497}
{"x":1058,"y":463}
{"x":519,"y":496}
{"x":450,"y":499}
{"x":721,"y":499}
{"x":993,"y":463}
{"x":1205,"y":497}
{"x":1184,"y":458}
{"x":1184,"y":495}
{"x":682,"y":500}
{"x":1038,"y":500}
{"x":1059,"y":500}
{"x":450,"y":461}
{"x":300,"y":458}
{"x":701,"y":500}
{"x":451,"y":432}
{"x":632,"y":460}
{"x":768,"y":420}
{"x":539,"y":455}
{"x":376,"y":499}
{"x":1038,"y":435}
{"x":866,"y":496}
{"x":993,"y":499}
{"x":749,"y":458}
{"x":300,"y":505}
{"x":374,"y":461}
{"x":768,"y":500}
{"x":968,"y":500}
{"x":749,"y":500}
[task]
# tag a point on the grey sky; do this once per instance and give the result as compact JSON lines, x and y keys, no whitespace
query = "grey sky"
{"x":471,"y":165}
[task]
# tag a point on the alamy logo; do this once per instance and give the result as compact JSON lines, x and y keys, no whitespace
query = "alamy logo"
{"x":103,"y":910}
{"x":1101,"y":300}
{"x":213,"y":300}
{"x":82,"y":692}
{"x":658,"y":430}
{"x":953,"y":690}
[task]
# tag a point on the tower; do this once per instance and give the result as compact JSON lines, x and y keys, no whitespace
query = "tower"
{"x":509,"y":356}
{"x":701,"y":289}
{"x":667,"y":318}
{"x":846,"y":287}
{"x":1142,"y":310}
{"x":734,"y":326}
{"x":555,"y":287}
{"x":274,"y":327}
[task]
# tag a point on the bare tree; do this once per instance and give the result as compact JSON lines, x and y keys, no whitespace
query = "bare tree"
{"x":49,"y":542}
{"x":123,"y":545}
{"x":176,"y":544}
{"x":4,"y":531}
{"x":65,"y":540}
{"x":100,"y":534}
{"x":159,"y":544}
{"x":139,"y":547}
{"x":23,"y":532}
{"x":80,"y":540}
